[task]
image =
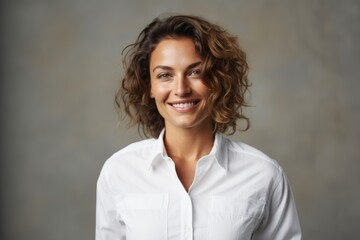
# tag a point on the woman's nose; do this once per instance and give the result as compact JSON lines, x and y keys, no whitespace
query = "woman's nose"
{"x":182,"y":88}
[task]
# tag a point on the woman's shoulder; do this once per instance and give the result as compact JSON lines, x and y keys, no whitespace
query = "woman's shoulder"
{"x":243,"y":152}
{"x":241,"y":147}
{"x":139,"y":149}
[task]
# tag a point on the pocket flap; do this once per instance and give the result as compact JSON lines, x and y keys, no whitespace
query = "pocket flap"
{"x":237,"y":205}
{"x":142,"y":201}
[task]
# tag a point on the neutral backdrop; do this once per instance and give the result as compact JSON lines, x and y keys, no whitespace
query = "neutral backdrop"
{"x":61,"y":63}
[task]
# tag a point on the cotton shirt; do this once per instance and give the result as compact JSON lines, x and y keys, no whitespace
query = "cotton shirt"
{"x":237,"y":193}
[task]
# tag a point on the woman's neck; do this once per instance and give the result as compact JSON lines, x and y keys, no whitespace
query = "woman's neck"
{"x":188,"y":144}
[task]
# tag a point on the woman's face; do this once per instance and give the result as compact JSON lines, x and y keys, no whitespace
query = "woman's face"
{"x":177,"y":86}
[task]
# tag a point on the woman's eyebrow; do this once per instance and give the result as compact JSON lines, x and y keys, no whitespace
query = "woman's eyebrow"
{"x":195,"y":64}
{"x":162,"y":67}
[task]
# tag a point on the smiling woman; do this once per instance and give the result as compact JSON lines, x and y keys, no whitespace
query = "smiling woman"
{"x":185,"y":85}
{"x":180,"y":93}
{"x":216,"y":49}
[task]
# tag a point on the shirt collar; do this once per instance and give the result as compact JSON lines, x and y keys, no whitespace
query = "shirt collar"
{"x":157,"y":151}
{"x":219,"y":151}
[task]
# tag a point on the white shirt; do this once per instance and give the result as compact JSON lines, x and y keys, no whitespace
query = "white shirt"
{"x":237,"y":193}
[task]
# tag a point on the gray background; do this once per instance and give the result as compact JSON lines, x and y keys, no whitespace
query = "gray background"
{"x":61,"y":66}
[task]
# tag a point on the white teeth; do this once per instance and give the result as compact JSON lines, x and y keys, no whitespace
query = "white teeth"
{"x":183,"y":105}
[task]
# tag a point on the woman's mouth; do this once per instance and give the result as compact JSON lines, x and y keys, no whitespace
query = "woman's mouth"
{"x":184,"y":105}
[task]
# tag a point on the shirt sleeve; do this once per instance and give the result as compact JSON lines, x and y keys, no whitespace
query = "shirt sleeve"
{"x":281,"y":221}
{"x":108,"y":226}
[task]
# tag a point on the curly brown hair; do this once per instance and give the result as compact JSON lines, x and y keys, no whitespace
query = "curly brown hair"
{"x":224,"y":70}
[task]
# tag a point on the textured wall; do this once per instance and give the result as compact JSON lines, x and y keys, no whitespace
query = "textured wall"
{"x":60,"y":66}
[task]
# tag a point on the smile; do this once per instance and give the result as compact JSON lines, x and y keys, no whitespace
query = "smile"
{"x":184,"y":105}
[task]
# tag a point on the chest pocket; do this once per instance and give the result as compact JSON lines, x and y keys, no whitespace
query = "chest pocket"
{"x":233,"y":218}
{"x":144,"y":215}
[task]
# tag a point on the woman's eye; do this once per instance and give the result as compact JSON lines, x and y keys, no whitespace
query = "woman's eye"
{"x":163,"y":75}
{"x":194,"y":72}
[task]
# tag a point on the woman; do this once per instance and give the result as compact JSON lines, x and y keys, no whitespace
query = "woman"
{"x":184,"y":85}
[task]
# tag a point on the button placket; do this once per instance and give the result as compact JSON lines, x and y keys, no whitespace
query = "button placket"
{"x":188,"y":219}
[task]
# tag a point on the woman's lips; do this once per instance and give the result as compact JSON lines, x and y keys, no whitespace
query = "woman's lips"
{"x":184,"y":105}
